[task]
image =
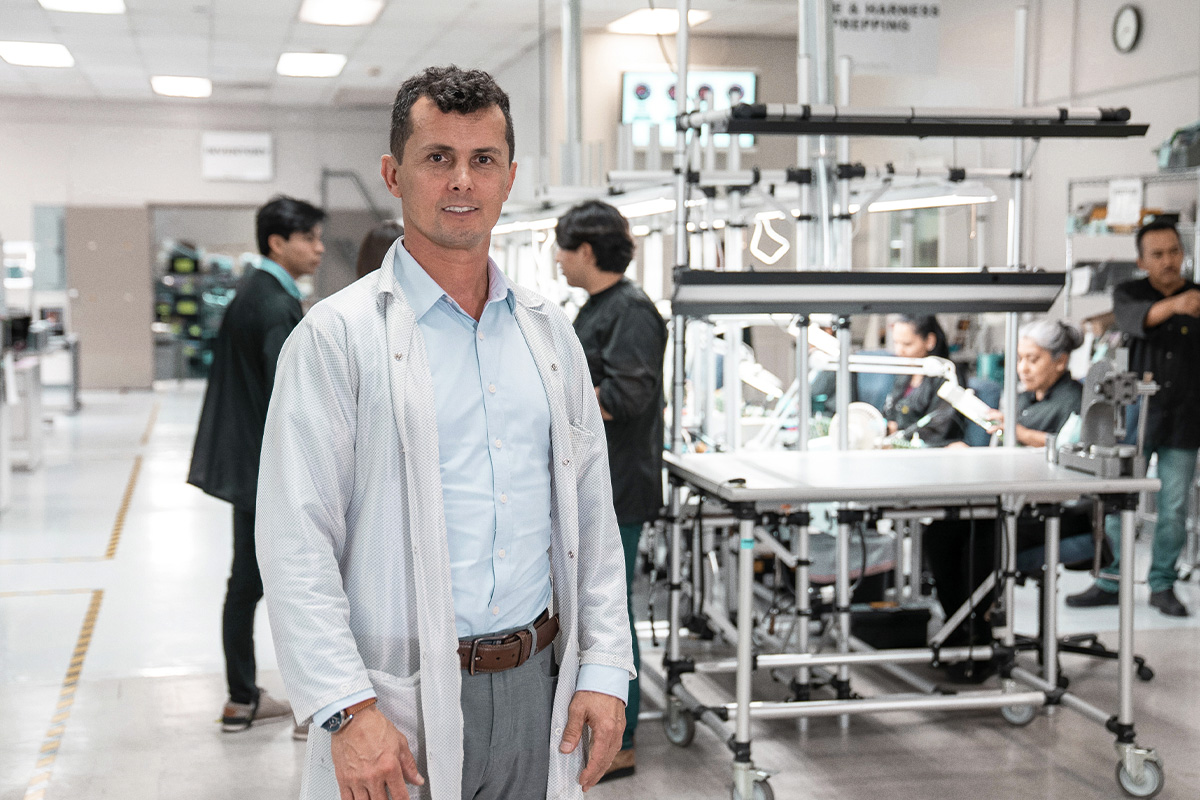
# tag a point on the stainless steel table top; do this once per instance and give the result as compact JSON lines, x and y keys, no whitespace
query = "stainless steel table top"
{"x":895,"y":477}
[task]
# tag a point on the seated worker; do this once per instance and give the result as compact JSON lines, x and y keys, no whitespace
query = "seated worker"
{"x":957,"y":563}
{"x":914,"y":397}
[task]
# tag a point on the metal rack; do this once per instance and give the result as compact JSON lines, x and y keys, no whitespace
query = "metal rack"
{"x":710,"y":294}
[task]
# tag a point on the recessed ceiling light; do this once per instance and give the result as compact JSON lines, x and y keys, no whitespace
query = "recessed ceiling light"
{"x":652,"y":21}
{"x":310,"y":65}
{"x":85,"y":6}
{"x":180,"y":86}
{"x":36,"y":54}
{"x":340,"y":12}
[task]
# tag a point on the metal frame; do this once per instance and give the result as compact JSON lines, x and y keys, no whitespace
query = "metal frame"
{"x":1008,"y":123}
{"x":752,"y":490}
{"x":705,"y":292}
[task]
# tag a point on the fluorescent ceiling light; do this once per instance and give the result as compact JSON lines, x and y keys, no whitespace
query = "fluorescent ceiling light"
{"x":340,"y":12}
{"x":36,"y":54}
{"x":179,"y":86}
{"x":937,"y":195}
{"x":310,"y":65}
{"x":655,"y":21}
{"x":85,"y":6}
{"x":525,"y":225}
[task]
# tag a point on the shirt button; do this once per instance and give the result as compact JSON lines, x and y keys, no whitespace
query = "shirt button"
{"x":558,"y":731}
{"x":495,"y":610}
{"x":501,"y":553}
{"x":399,"y":356}
{"x":480,"y":336}
{"x":492,"y":388}
{"x":498,"y":445}
{"x":503,"y":498}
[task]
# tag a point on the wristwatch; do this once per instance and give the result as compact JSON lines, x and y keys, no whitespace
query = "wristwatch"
{"x":342,"y":718}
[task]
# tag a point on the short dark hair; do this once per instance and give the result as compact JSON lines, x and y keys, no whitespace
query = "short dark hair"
{"x":450,"y":89}
{"x":925,"y":326}
{"x":1156,"y":225}
{"x":601,"y":226}
{"x":375,"y":246}
{"x":284,"y":215}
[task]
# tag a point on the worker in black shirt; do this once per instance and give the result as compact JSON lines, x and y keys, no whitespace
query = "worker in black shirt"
{"x":960,"y":561}
{"x":1050,"y":394}
{"x":229,"y":436}
{"x":1160,"y":316}
{"x":913,"y":405}
{"x":624,"y":338}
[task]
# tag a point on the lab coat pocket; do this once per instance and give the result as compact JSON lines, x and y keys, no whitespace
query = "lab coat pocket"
{"x":399,"y":700}
{"x":581,"y":443}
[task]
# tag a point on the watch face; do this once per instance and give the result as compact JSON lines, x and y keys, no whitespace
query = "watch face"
{"x":1127,"y":28}
{"x":334,"y":723}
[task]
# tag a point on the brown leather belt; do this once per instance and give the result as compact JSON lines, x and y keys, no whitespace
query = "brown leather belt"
{"x":489,"y":654}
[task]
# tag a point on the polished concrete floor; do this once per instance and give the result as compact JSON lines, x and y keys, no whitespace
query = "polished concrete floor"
{"x":112,"y":576}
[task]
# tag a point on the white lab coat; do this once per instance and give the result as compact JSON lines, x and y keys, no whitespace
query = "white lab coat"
{"x":351,"y":534}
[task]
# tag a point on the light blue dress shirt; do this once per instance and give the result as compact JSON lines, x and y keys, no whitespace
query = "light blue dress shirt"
{"x":283,"y":276}
{"x":493,"y":422}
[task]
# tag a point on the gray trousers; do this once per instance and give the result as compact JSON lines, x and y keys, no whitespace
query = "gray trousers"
{"x":506,"y":730}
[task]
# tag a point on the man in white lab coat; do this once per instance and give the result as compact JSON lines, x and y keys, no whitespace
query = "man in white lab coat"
{"x":434,"y":501}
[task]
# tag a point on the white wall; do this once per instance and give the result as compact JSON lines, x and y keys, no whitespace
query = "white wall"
{"x":85,"y":153}
{"x":1069,"y":64}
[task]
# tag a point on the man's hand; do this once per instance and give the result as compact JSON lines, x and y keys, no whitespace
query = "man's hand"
{"x":605,"y":715}
{"x":371,"y":758}
{"x":1188,"y":303}
{"x":604,"y":415}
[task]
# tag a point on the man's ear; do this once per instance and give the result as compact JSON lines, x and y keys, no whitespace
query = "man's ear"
{"x":275,"y":243}
{"x":388,"y":169}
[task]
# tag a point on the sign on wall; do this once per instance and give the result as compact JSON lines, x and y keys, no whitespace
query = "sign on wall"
{"x":236,"y":156}
{"x":885,"y":38}
{"x":648,"y":97}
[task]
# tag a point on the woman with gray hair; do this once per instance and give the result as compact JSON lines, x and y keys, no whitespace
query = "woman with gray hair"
{"x":1050,"y":395}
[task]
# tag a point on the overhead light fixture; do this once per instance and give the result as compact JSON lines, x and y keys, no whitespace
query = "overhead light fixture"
{"x":940,"y":195}
{"x":311,"y":65}
{"x":85,"y":6}
{"x":656,"y":21}
{"x":181,"y":86}
{"x":340,"y":12}
{"x":36,"y":54}
{"x":525,"y":225}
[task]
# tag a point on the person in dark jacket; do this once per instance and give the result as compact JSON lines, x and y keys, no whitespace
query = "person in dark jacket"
{"x":264,"y":310}
{"x":624,"y":338}
{"x":1160,"y":317}
{"x":960,"y":553}
{"x":913,"y":405}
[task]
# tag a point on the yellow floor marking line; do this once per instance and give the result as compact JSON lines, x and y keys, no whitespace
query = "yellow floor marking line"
{"x":66,"y":698}
{"x":150,"y":422}
{"x":114,"y":538}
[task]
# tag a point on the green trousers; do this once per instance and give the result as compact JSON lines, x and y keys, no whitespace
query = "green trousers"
{"x":630,"y":536}
{"x":1176,"y":469}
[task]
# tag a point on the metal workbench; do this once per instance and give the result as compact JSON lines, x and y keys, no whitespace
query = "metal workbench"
{"x":761,"y":489}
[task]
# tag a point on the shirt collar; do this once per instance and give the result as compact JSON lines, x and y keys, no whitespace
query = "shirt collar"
{"x":285,"y":279}
{"x":422,"y":292}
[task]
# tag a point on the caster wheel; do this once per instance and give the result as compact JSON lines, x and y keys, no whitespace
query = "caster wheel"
{"x":1144,"y":673}
{"x":1018,"y":715}
{"x":1150,"y":784}
{"x":762,"y":791}
{"x":679,"y":724}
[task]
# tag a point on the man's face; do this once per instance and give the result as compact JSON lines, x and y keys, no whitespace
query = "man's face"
{"x":300,"y":253}
{"x":574,"y":264}
{"x":1161,"y":258}
{"x":454,"y":178}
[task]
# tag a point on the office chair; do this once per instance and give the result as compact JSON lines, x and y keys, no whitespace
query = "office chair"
{"x":1076,"y":552}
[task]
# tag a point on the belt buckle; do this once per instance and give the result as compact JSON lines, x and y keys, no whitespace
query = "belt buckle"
{"x":475,"y":647}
